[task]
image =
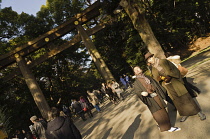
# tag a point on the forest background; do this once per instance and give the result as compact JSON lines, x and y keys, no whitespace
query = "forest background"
{"x":176,"y":24}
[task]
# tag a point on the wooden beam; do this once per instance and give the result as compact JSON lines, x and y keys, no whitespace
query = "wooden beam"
{"x":53,"y":51}
{"x":83,"y":17}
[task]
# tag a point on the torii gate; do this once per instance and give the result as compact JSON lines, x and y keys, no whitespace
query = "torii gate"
{"x":19,"y":53}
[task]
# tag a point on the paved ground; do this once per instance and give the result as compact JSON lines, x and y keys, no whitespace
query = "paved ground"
{"x":132,"y":120}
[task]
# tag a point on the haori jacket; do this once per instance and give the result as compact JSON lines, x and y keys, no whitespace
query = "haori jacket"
{"x":148,"y":100}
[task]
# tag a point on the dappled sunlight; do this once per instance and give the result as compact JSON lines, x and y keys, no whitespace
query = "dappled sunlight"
{"x":131,"y":118}
{"x":58,"y":34}
{"x":32,"y":86}
{"x":83,"y":18}
{"x":38,"y":97}
{"x":29,"y":43}
{"x":119,"y":120}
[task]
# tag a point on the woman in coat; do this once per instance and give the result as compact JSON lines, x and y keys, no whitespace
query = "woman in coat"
{"x":152,"y":95}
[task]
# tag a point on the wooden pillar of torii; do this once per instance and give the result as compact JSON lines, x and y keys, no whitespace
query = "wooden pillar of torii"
{"x":33,"y":86}
{"x":99,"y":62}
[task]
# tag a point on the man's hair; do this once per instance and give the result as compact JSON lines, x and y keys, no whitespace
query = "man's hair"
{"x":53,"y":113}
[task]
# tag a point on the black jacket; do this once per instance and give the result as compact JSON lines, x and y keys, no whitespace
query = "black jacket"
{"x":62,"y":128}
{"x":77,"y":107}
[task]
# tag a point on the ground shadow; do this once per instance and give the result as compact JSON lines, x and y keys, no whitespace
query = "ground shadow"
{"x":92,"y":128}
{"x":129,"y":134}
{"x":107,"y":134}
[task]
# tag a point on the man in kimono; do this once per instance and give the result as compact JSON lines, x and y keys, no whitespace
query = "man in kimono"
{"x":151,"y":93}
{"x":169,"y":76}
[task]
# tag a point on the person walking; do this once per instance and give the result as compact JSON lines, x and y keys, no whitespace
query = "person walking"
{"x":192,"y":90}
{"x":122,"y":80}
{"x":169,"y":76}
{"x":116,"y":89}
{"x":77,"y":108}
{"x":98,"y":94}
{"x":127,"y":80}
{"x":85,"y":106}
{"x":103,"y":89}
{"x":151,"y":93}
{"x":66,"y":111}
{"x":112,"y":95}
{"x":60,"y":127}
{"x":37,"y":129}
{"x":93,"y":100}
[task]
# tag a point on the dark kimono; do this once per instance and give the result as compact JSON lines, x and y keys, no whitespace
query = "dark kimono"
{"x":176,"y":90}
{"x":155,"y":104}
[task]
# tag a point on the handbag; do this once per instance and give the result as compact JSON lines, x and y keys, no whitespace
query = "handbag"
{"x":85,"y":109}
{"x":182,"y":70}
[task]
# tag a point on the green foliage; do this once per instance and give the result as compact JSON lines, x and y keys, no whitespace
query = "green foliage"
{"x":70,"y":73}
{"x":177,"y":23}
{"x":5,"y":119}
{"x":17,"y":105}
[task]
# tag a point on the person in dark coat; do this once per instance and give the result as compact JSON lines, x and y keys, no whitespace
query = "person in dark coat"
{"x":151,"y":93}
{"x":77,"y":108}
{"x":169,"y":76}
{"x":60,"y":127}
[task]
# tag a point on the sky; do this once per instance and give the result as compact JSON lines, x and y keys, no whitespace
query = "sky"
{"x":26,"y":6}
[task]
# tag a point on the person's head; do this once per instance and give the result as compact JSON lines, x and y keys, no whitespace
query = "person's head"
{"x":33,"y":119}
{"x":53,"y":113}
{"x":73,"y":100}
{"x":137,"y":70}
{"x":149,"y":58}
{"x":167,"y":54}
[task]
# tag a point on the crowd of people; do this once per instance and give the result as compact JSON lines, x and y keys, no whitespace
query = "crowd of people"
{"x":60,"y":122}
{"x":167,"y":84}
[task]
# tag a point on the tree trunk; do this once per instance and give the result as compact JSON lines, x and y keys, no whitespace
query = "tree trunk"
{"x":136,"y":14}
{"x":99,"y":62}
{"x":33,"y":86}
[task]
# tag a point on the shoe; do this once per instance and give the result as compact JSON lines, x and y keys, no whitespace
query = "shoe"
{"x":202,"y":116}
{"x":184,"y":118}
{"x":174,"y":129}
